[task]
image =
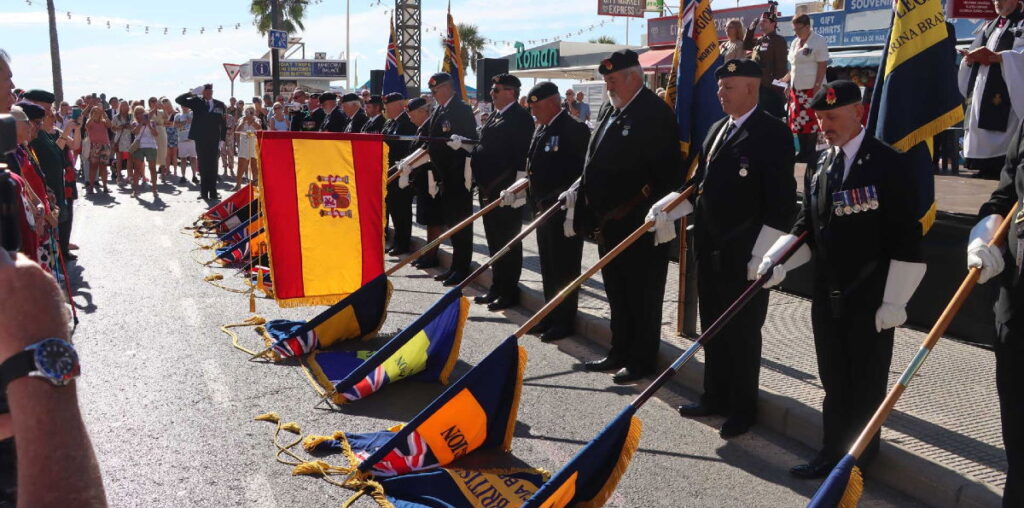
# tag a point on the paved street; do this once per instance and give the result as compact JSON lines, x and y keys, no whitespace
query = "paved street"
{"x":170,"y":402}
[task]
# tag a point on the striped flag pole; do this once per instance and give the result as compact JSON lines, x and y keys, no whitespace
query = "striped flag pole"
{"x":844,"y":484}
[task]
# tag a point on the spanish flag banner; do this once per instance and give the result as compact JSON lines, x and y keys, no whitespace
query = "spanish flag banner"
{"x":426,"y":350}
{"x":916,"y":94}
{"x":323,"y":201}
{"x":459,"y":488}
{"x":590,"y":478}
{"x":221,"y":210}
{"x":477,"y":411}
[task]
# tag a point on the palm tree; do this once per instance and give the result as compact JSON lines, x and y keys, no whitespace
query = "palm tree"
{"x":278,"y":15}
{"x":472,"y":44}
{"x":604,"y":39}
{"x":58,"y":80}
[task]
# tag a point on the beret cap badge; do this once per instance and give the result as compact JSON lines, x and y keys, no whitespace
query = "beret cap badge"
{"x":830,"y":96}
{"x":607,"y":64}
{"x":731,"y":67}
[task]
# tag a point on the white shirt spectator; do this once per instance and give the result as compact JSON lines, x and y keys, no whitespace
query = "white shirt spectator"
{"x":804,"y":60}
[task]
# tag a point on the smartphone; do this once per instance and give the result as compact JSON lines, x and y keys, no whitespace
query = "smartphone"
{"x":76,"y":113}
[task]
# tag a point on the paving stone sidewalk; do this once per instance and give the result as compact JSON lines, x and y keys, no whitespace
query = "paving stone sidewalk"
{"x":949,"y":415}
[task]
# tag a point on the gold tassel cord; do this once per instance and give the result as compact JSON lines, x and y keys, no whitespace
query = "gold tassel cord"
{"x":854,"y":489}
{"x":271,"y":417}
{"x":251,"y":321}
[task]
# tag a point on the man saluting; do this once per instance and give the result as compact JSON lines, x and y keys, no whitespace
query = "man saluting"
{"x":208,"y":131}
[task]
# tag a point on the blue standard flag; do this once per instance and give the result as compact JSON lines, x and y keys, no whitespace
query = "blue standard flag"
{"x":394,"y":73}
{"x":916,"y":94}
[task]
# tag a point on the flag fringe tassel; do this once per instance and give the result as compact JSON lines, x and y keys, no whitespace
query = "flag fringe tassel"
{"x":927,"y":131}
{"x":854,"y":489}
{"x":629,"y":447}
{"x":453,"y":357}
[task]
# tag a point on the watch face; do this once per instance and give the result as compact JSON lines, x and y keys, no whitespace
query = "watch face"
{"x":57,"y":360}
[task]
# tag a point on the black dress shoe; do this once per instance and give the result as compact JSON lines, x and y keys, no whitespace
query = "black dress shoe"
{"x":816,"y":468}
{"x":455,"y":279}
{"x":215,"y":196}
{"x":427,"y":263}
{"x":70,"y":257}
{"x":604,"y":364}
{"x":502,"y":303}
{"x":732,"y":428}
{"x":629,"y":374}
{"x":691,"y":410}
{"x":398,"y":251}
{"x":389,"y":251}
{"x":443,"y":276}
{"x":555,"y":333}
{"x":485,"y":298}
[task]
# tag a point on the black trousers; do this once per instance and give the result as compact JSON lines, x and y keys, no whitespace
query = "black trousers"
{"x":635,"y":284}
{"x":399,"y":203}
{"x":500,"y":226}
{"x":559,"y":265}
{"x":208,"y":154}
{"x":989,"y":168}
{"x":808,"y":143}
{"x":1009,"y":350}
{"x":853,"y":364}
{"x":64,"y":228}
{"x":732,"y":359}
{"x":456,"y":205}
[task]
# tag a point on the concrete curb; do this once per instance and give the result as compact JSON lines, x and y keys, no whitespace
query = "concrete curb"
{"x":897,"y":467}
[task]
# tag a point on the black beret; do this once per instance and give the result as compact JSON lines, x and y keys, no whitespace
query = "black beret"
{"x":737,"y":67}
{"x":393,"y":97}
{"x":315,"y":96}
{"x":375,"y":99}
{"x":349,"y":97}
{"x":621,"y":59}
{"x":416,"y":103}
{"x":38,"y":95}
{"x":542,"y":91}
{"x":32,"y":111}
{"x":208,"y":86}
{"x":439,"y":79}
{"x":506,"y":79}
{"x":835,"y":95}
{"x":324,"y":97}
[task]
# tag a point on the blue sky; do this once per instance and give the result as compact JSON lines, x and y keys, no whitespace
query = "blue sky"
{"x":133,"y":64}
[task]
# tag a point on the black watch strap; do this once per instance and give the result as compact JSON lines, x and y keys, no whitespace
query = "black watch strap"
{"x":19,"y":365}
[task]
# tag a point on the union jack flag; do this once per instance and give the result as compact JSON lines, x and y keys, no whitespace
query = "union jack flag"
{"x":262,"y":271}
{"x":368,"y":385}
{"x":415,"y":456}
{"x":297,"y":345}
{"x":236,"y":254}
{"x":394,"y":72}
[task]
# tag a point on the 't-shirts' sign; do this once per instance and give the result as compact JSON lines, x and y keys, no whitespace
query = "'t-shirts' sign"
{"x":631,"y":8}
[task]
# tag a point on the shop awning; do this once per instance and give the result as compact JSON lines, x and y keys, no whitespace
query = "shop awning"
{"x":846,"y":59}
{"x":657,"y":59}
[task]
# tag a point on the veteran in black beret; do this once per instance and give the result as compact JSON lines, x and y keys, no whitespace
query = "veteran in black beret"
{"x":428,"y":207}
{"x":352,"y":106}
{"x":398,"y":199}
{"x":314,"y":117}
{"x":497,"y":161}
{"x":865,"y":239}
{"x":449,"y":171}
{"x":374,"y":119}
{"x":747,"y":202}
{"x":334,"y":119}
{"x":632,"y":161}
{"x":555,"y":162}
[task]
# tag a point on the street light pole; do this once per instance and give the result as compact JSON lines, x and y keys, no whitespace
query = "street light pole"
{"x":275,"y":59}
{"x":348,"y":52}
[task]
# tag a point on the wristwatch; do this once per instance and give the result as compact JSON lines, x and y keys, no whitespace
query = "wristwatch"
{"x":54,"y":360}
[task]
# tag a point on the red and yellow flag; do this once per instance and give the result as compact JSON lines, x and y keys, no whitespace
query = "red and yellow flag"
{"x":323,"y":201}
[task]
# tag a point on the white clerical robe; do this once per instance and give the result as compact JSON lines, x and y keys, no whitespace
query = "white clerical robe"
{"x":983,"y":143}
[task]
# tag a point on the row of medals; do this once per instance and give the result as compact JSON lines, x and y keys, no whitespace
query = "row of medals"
{"x":855,"y":201}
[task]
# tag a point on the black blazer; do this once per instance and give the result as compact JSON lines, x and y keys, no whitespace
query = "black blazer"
{"x":640,"y":147}
{"x":748,"y":182}
{"x":555,"y":159}
{"x":336,"y":121}
{"x":374,"y":126}
{"x":1009,"y":307}
{"x":852,"y":251}
{"x":501,"y":152}
{"x":356,"y":123}
{"x":449,"y":165}
{"x":207,"y":125}
{"x":400,"y":126}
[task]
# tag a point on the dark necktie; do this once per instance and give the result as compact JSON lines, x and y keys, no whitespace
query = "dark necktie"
{"x":604,"y":128}
{"x":835,"y":171}
{"x":720,"y":142}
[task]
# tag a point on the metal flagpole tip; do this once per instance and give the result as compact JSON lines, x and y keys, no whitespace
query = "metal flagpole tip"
{"x":261,"y":354}
{"x":326,"y":398}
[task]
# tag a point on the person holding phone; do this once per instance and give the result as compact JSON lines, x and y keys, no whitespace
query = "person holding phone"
{"x":247,"y":127}
{"x":144,"y":131}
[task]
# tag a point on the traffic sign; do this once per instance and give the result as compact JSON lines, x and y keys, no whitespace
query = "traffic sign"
{"x":277,"y":39}
{"x":232,"y":70}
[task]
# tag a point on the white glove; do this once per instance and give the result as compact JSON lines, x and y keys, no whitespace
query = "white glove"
{"x":664,"y":221}
{"x":403,"y":176}
{"x":515,"y":199}
{"x":197,"y":90}
{"x":220,"y":146}
{"x":455,"y":143}
{"x":766,"y":238}
{"x":467,"y":173}
{"x":900,"y":285}
{"x":569,"y":198}
{"x":801,"y":256}
{"x":431,"y":184}
{"x":979,"y":254}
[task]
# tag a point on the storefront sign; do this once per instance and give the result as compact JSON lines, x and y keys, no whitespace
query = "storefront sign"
{"x":970,"y":9}
{"x":328,"y":69}
{"x":536,"y":58}
{"x":655,"y":5}
{"x":662,"y":31}
{"x":630,"y":8}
